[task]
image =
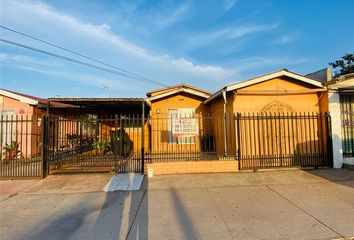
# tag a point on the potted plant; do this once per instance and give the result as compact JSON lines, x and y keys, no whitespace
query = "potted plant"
{"x":102,"y":147}
{"x":11,"y":150}
{"x":73,"y":139}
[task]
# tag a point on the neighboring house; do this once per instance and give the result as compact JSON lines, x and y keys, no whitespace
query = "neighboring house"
{"x":13,"y":103}
{"x":341,"y":107}
{"x":106,"y":115}
{"x":20,"y":112}
{"x":23,"y":113}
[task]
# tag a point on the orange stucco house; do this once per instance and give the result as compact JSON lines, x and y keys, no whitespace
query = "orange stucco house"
{"x":168,"y":108}
{"x":272,"y":120}
{"x":281,"y":92}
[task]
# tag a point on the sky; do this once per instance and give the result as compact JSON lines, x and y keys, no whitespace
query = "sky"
{"x":207,"y":44}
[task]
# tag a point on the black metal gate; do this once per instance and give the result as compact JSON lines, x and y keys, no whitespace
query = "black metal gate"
{"x":21,"y":147}
{"x":94,"y":143}
{"x":282,"y":140}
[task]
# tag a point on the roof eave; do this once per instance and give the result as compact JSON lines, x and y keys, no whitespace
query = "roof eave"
{"x":215,"y":95}
{"x":18,"y":97}
{"x":186,"y":90}
{"x":274,"y":75}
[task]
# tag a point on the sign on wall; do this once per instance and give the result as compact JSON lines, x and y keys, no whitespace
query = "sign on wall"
{"x":182,"y":126}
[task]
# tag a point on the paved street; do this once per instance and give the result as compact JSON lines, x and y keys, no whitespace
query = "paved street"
{"x":317,"y":204}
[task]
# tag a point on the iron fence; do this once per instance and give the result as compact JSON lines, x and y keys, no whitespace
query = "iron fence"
{"x":190,"y":138}
{"x":21,"y":146}
{"x":268,"y":140}
{"x":31,"y":146}
{"x":123,"y":143}
{"x":347,"y":117}
{"x":91,"y":143}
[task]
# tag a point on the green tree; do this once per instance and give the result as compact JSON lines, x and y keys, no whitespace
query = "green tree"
{"x":343,"y":66}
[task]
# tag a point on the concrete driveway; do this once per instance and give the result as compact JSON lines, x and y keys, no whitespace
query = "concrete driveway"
{"x":317,"y":204}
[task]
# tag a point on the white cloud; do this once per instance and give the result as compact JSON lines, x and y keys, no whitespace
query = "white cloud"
{"x":50,"y":68}
{"x":176,"y":16}
{"x":98,"y":41}
{"x":105,"y":26}
{"x":42,"y":20}
{"x":265,"y":62}
{"x":286,"y":38}
{"x":203,"y":39}
{"x":228,"y":4}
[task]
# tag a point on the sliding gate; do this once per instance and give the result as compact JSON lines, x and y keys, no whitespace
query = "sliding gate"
{"x":95,"y":143}
{"x":282,"y":140}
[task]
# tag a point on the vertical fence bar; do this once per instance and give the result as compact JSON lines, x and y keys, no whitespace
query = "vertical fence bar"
{"x":115,"y":143}
{"x":280,"y":140}
{"x":142,"y":137}
{"x":2,"y":158}
{"x":44,"y":155}
{"x":238,"y":119}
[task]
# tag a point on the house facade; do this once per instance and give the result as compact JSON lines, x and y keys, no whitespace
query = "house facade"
{"x":20,"y":122}
{"x":278,"y":93}
{"x":341,"y":106}
{"x":176,"y":119}
{"x":281,"y":91}
{"x":275,"y":120}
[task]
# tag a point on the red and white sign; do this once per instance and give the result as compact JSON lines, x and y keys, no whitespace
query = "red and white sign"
{"x":184,"y":127}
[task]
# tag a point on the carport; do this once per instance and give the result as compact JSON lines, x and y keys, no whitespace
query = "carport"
{"x":99,"y":106}
{"x":96,"y":134}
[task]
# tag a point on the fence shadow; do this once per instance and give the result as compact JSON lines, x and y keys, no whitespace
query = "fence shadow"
{"x":341,"y":176}
{"x":311,"y":154}
{"x":89,"y":218}
{"x":183,"y":218}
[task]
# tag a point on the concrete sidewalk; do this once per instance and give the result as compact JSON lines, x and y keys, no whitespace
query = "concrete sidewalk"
{"x":315,"y":204}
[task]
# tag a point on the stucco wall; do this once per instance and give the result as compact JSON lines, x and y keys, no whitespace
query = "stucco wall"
{"x":7,"y":103}
{"x":159,"y":142}
{"x":304,"y":102}
{"x":181,"y":100}
{"x":217,"y":113}
{"x":26,"y":127}
{"x":249,"y":100}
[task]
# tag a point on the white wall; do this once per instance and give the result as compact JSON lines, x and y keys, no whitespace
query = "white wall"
{"x":334,"y":109}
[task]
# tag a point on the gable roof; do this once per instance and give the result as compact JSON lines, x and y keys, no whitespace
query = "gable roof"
{"x":266,"y":77}
{"x":342,"y":83}
{"x":165,"y":92}
{"x":20,"y":97}
{"x":31,"y":100}
{"x":280,"y":73}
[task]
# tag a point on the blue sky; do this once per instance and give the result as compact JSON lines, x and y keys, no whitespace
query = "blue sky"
{"x":207,"y":44}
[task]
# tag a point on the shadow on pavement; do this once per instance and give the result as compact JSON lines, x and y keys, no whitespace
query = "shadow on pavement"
{"x":183,"y":218}
{"x":86,"y":217}
{"x":339,"y":176}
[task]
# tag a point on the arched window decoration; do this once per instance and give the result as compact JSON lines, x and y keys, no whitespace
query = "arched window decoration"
{"x":276,"y":107}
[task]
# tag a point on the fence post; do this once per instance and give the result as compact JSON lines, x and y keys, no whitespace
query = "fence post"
{"x":280,"y":140}
{"x":142,"y":137}
{"x":238,"y":118}
{"x":329,"y":140}
{"x":3,"y":133}
{"x":44,"y":155}
{"x":115,"y":143}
